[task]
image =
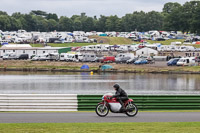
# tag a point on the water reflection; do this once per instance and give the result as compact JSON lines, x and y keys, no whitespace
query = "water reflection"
{"x":84,"y":83}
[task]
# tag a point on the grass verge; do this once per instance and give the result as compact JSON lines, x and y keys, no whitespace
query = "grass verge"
{"x":166,"y":127}
{"x":64,"y":44}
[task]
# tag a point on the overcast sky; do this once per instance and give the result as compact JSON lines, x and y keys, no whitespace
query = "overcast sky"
{"x":90,"y":7}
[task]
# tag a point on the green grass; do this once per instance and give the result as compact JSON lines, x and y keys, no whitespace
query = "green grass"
{"x":168,"y":127}
{"x":106,"y":40}
{"x":64,"y":44}
{"x":119,"y":40}
{"x":36,"y":45}
{"x":167,"y":42}
{"x":51,"y":67}
{"x":111,"y":41}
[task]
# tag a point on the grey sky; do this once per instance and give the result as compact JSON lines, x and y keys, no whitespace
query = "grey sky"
{"x":90,"y":7}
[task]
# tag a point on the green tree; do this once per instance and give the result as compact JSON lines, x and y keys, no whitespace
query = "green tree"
{"x":65,"y":24}
{"x":101,"y":23}
{"x":5,"y":23}
{"x":39,"y":13}
{"x":77,"y":25}
{"x":3,"y":13}
{"x":52,"y":25}
{"x":112,"y":23}
{"x":52,"y":16}
{"x":170,"y":7}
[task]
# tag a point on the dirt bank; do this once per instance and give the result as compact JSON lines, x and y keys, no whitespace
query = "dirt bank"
{"x":158,"y":67}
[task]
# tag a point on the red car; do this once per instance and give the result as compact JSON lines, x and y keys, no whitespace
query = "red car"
{"x":108,"y":59}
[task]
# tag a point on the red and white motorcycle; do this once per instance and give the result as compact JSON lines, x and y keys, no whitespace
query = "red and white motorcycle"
{"x":107,"y":104}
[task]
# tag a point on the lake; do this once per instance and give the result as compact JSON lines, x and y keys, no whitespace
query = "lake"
{"x":84,"y":83}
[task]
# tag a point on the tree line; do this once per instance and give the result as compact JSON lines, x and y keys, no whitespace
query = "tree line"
{"x":174,"y":17}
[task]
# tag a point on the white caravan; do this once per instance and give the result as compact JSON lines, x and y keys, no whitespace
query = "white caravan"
{"x":188,"y":61}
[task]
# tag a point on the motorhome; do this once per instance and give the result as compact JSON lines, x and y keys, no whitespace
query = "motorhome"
{"x":131,"y":55}
{"x":49,"y":56}
{"x":63,"y":56}
{"x":87,"y":57}
{"x":71,"y":56}
{"x":132,"y":47}
{"x":188,"y":61}
{"x":186,"y":48}
{"x":36,"y":58}
{"x":123,"y":58}
{"x":122,"y":48}
{"x":9,"y":56}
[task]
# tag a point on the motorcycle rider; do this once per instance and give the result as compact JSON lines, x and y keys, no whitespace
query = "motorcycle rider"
{"x":121,"y":96}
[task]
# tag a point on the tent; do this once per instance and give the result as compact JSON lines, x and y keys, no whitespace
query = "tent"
{"x":103,"y":34}
{"x":105,"y":67}
{"x":85,"y":67}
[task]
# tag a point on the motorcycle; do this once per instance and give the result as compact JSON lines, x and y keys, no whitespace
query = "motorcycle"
{"x":108,"y":104}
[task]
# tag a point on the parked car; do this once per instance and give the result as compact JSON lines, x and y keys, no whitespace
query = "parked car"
{"x":173,"y":62}
{"x":160,"y":39}
{"x":108,"y":59}
{"x":23,"y":57}
{"x":36,"y":58}
{"x":197,"y":59}
{"x":140,"y":61}
{"x":9,"y":56}
{"x":122,"y":60}
{"x":98,"y":59}
{"x":131,"y":61}
{"x":49,"y":56}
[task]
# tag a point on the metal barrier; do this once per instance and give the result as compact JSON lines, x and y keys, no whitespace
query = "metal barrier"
{"x":73,"y":102}
{"x":38,"y":102}
{"x":147,"y":102}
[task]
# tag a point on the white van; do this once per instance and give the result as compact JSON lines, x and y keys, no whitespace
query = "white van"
{"x":49,"y":56}
{"x":88,"y":57}
{"x":188,"y":61}
{"x":9,"y":56}
{"x":186,"y":48}
{"x":71,"y":57}
{"x":63,"y":56}
{"x":131,"y":55}
{"x":122,"y":48}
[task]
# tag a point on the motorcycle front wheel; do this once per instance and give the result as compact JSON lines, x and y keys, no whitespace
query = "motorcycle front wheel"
{"x":102,"y":110}
{"x":132,"y":109}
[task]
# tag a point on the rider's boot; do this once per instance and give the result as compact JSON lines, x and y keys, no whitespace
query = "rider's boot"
{"x":123,"y":109}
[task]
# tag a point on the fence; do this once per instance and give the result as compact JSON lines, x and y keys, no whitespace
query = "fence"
{"x":148,"y":102}
{"x":73,"y":102}
{"x":38,"y":102}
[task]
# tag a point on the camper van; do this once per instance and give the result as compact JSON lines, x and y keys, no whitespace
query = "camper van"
{"x":131,"y":55}
{"x":9,"y":56}
{"x":122,"y":48}
{"x":49,"y":56}
{"x":188,"y":61}
{"x":88,"y":57}
{"x":186,"y":48}
{"x":71,"y":57}
{"x":124,"y":57}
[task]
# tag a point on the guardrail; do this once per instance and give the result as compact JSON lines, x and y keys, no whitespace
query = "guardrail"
{"x":38,"y":102}
{"x":73,"y":102}
{"x":147,"y":102}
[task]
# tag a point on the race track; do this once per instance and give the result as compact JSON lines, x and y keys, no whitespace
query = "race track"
{"x":91,"y":117}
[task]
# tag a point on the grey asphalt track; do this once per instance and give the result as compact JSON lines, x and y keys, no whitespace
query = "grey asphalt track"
{"x":91,"y":117}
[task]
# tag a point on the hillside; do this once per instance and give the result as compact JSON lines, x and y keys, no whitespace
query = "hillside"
{"x":112,"y":40}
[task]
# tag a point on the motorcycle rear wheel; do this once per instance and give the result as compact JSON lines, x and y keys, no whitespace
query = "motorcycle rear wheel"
{"x":133,"y":109}
{"x":102,"y":110}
